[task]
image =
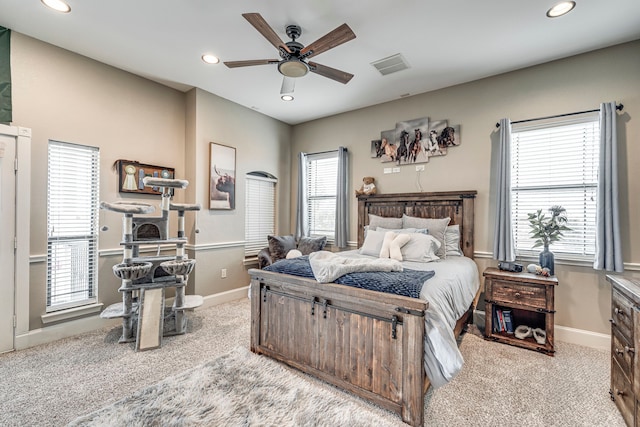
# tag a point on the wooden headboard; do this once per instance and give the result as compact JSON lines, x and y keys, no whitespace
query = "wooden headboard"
{"x":458,"y":205}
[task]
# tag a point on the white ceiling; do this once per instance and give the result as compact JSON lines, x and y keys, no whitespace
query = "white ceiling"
{"x":445,"y":42}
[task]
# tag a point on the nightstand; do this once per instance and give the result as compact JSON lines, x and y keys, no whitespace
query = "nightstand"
{"x":530,"y":300}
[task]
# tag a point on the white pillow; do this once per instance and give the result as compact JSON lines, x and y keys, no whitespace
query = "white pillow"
{"x":436,"y":227}
{"x":376,"y":221}
{"x":421,"y":248}
{"x":452,"y":240}
{"x":405,"y":230}
{"x":372,"y":243}
{"x":293,"y":253}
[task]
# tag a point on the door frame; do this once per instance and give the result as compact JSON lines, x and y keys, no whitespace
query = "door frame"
{"x":23,"y":226}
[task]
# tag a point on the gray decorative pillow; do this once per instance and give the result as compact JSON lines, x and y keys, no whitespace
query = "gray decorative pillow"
{"x":405,"y":230}
{"x":436,"y":227}
{"x":421,"y":248}
{"x":280,"y":245}
{"x":306,"y":245}
{"x":376,"y":221}
{"x":452,"y":240}
{"x":372,"y":243}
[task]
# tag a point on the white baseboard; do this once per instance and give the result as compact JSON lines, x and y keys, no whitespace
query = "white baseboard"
{"x":222,"y":297}
{"x":582,"y":337}
{"x":87,"y":324}
{"x":63,"y":330}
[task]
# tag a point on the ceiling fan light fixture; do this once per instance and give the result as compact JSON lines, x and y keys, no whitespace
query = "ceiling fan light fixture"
{"x":210,"y":59}
{"x":561,"y":8}
{"x":293,"y":68}
{"x":57,"y":5}
{"x":287,"y":97}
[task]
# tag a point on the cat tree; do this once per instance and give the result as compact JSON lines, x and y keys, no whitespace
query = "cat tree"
{"x":145,"y":279}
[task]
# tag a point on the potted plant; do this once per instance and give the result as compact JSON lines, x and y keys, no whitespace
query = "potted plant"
{"x":547,"y":230}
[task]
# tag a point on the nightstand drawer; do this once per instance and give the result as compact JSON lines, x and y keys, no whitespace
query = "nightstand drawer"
{"x":621,"y":393}
{"x":512,"y":293}
{"x":622,"y":315}
{"x":623,"y":353}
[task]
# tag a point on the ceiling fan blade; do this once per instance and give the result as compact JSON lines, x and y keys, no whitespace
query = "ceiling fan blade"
{"x":235,"y":64}
{"x":267,"y":32}
{"x":332,"y":73}
{"x":340,"y":35}
{"x":288,"y":85}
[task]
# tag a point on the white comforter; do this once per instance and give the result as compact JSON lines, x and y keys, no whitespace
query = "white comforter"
{"x":449,"y":293}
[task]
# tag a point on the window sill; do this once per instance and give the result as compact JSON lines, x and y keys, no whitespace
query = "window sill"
{"x":534,"y":259}
{"x":71,"y":313}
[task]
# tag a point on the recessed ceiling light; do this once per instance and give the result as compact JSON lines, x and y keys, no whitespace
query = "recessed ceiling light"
{"x":561,"y":8}
{"x":210,"y":59}
{"x":57,"y":5}
{"x":286,"y":98}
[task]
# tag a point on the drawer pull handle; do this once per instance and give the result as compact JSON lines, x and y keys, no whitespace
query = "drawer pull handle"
{"x":620,"y":352}
{"x":517,"y":295}
{"x":618,"y":311}
{"x":613,"y":322}
{"x":629,"y":349}
{"x":619,"y":392}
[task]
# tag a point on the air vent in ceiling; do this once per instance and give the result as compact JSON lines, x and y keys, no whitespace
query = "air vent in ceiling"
{"x":391,"y":64}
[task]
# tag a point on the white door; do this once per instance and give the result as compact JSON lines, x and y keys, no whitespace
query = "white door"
{"x":7,"y":236}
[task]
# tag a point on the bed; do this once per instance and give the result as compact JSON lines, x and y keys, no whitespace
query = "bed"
{"x":373,"y":344}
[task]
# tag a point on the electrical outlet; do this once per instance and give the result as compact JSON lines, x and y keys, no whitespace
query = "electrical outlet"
{"x":419,"y":168}
{"x":223,"y":273}
{"x":396,"y":170}
{"x":388,"y":170}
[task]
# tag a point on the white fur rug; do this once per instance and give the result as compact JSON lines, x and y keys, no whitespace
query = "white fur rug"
{"x":240,"y":389}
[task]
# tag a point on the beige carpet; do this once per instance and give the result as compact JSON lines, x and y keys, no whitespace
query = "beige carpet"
{"x":52,"y":385}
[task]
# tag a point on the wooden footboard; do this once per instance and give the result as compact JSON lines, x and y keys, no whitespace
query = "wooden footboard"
{"x":369,"y":343}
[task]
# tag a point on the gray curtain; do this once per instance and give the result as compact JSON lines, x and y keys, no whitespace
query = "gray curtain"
{"x":302,"y":216}
{"x":503,"y":246}
{"x":608,"y":249}
{"x":342,"y":200}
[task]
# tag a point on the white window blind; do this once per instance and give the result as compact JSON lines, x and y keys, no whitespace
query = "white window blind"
{"x":322,"y":187}
{"x":260,"y":213}
{"x":556,"y":163}
{"x":72,"y":225}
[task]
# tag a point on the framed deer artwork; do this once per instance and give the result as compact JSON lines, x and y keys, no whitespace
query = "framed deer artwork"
{"x":222,"y":177}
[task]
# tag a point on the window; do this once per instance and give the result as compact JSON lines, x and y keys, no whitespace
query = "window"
{"x":72,"y":225}
{"x":322,"y":185}
{"x":260,"y":211}
{"x":556,"y":163}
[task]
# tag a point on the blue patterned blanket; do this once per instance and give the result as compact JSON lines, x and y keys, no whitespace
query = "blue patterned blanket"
{"x":407,"y":283}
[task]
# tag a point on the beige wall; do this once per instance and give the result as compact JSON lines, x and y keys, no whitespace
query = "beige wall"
{"x":573,"y":84}
{"x":64,"y":96}
{"x":262,"y":144}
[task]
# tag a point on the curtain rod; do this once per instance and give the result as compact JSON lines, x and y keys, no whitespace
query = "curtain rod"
{"x":619,"y":107}
{"x":328,"y":151}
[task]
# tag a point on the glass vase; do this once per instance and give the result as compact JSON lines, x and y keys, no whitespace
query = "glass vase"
{"x":546,"y":259}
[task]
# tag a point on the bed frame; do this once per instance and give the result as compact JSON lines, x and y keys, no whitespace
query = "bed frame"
{"x":369,"y":343}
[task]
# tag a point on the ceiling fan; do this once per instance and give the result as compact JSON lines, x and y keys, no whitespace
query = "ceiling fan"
{"x":294,"y":55}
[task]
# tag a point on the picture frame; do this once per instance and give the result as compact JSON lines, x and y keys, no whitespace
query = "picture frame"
{"x":222,"y":177}
{"x":131,"y":173}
